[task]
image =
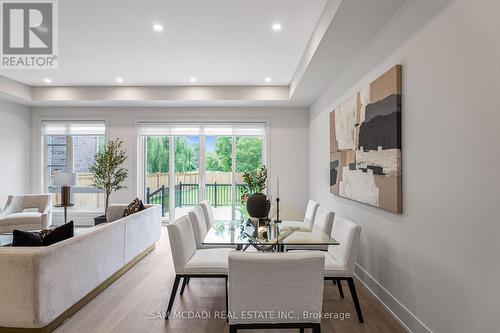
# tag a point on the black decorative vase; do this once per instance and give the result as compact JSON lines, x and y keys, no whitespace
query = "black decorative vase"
{"x":258,"y":205}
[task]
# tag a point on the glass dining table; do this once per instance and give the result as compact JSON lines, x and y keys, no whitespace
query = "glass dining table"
{"x":273,"y":237}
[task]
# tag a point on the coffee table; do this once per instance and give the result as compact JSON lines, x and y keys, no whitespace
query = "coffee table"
{"x":5,"y":239}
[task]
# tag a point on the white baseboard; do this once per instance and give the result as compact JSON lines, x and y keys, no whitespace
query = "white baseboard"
{"x":409,"y":321}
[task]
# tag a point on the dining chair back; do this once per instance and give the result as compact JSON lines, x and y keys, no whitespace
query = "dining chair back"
{"x":207,"y":212}
{"x":278,"y":283}
{"x":347,"y":233}
{"x":324,"y":219}
{"x":341,"y":259}
{"x":199,"y":225}
{"x":312,"y":206}
{"x":182,"y":242}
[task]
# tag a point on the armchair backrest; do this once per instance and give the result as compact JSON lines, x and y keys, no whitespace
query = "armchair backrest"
{"x":324,"y":219}
{"x":347,"y":233}
{"x":19,"y":202}
{"x":208,"y":213}
{"x":312,"y":206}
{"x":182,"y":242}
{"x":199,"y":225}
{"x":275,"y":282}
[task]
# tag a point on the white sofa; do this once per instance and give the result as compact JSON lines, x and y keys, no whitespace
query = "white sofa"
{"x":13,"y":215}
{"x":38,"y":285}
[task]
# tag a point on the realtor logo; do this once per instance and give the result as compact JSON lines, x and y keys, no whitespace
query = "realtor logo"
{"x":29,"y":34}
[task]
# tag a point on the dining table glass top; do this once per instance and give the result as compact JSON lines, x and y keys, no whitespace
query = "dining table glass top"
{"x":236,"y":232}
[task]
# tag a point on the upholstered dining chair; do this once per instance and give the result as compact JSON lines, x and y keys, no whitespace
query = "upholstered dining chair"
{"x":207,"y":212}
{"x":277,"y":284}
{"x":323,"y":220}
{"x":190,"y":262}
{"x":312,"y":206}
{"x":341,"y":259}
{"x":200,"y":230}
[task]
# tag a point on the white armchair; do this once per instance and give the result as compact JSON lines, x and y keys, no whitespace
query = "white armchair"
{"x":340,"y":260}
{"x":275,"y":284}
{"x":190,"y":262}
{"x":13,"y":216}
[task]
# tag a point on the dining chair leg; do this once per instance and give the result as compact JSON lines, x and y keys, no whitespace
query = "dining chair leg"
{"x":301,"y":330}
{"x":232,"y":329}
{"x":189,"y":279}
{"x":339,"y":285}
{"x":172,"y":295}
{"x":316,"y":328}
{"x":184,"y":283}
{"x":354,"y":295}
{"x":227,"y":314}
{"x":334,"y":281}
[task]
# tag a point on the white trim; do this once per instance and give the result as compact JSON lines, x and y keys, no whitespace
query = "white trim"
{"x":407,"y":319}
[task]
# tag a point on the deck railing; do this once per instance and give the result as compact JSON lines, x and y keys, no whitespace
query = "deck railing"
{"x":220,"y":195}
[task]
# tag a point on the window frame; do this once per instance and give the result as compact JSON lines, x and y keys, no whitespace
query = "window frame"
{"x":142,"y":148}
{"x":44,"y":183}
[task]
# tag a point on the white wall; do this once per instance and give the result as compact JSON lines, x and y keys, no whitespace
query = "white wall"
{"x":439,"y":260}
{"x":14,"y":149}
{"x":289,"y":128}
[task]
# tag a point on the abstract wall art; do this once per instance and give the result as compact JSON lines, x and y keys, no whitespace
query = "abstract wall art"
{"x":365,"y":144}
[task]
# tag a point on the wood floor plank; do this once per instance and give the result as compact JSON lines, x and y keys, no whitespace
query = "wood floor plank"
{"x":137,"y":300}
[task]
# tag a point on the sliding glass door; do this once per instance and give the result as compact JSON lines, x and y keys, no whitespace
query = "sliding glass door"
{"x":157,"y":175}
{"x":187,"y":173}
{"x":208,"y":163}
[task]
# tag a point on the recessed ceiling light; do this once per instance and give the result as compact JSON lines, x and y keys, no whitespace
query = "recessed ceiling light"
{"x":47,"y":80}
{"x":276,"y":26}
{"x":119,"y":79}
{"x":192,"y":79}
{"x":267,"y":79}
{"x":158,"y":27}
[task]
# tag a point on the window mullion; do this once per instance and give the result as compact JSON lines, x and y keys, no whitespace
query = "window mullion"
{"x":233,"y":177}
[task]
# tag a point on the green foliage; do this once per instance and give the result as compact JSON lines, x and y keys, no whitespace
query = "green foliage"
{"x":248,"y":154}
{"x":157,"y":154}
{"x":107,"y":169}
{"x":186,"y":155}
{"x":256,"y":183}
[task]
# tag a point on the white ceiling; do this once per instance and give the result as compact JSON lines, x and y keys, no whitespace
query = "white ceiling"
{"x":220,"y":42}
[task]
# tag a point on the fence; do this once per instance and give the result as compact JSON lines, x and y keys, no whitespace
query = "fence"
{"x":220,"y":195}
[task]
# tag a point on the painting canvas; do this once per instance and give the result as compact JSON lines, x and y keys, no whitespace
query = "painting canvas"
{"x":365,"y":144}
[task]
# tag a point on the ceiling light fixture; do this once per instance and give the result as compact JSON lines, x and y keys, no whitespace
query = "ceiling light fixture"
{"x":267,"y":79}
{"x":276,"y":26}
{"x":192,"y":80}
{"x":119,"y":80}
{"x":47,"y":80}
{"x":158,"y":27}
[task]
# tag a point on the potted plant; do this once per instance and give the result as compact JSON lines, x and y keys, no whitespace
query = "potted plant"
{"x":108,"y":172}
{"x":256,"y":202}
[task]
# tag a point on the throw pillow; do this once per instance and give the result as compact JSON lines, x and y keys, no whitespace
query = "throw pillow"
{"x":135,"y":206}
{"x":58,"y":234}
{"x":26,"y":238}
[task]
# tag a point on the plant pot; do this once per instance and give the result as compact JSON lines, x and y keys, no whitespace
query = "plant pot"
{"x":258,"y":205}
{"x":100,"y":219}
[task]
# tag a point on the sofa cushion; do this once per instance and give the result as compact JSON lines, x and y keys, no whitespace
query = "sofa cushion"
{"x":135,"y":206}
{"x":58,"y":234}
{"x":44,"y":237}
{"x":22,"y":218}
{"x":26,"y":238}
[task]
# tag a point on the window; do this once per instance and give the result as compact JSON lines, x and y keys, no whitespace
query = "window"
{"x":210,"y":157}
{"x":71,"y":147}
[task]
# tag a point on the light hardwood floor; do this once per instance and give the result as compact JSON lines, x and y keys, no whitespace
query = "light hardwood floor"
{"x":136,"y":301}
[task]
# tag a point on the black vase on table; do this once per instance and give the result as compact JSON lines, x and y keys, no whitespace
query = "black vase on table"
{"x":258,"y":206}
